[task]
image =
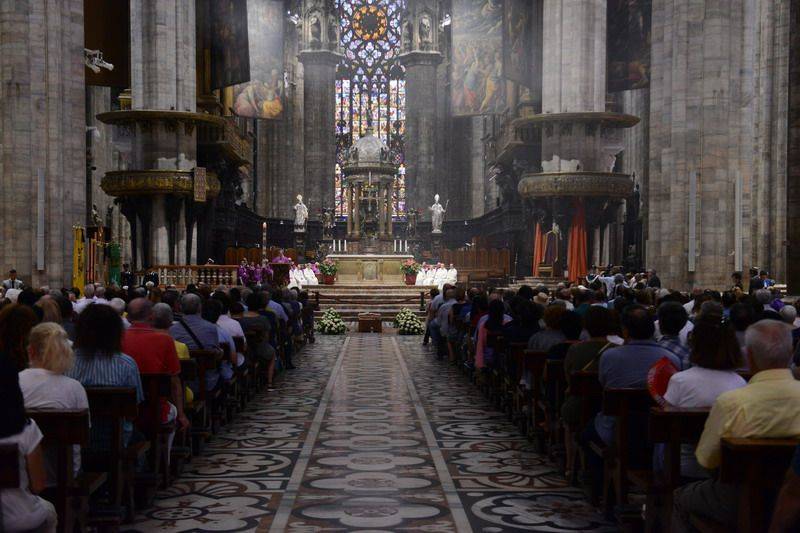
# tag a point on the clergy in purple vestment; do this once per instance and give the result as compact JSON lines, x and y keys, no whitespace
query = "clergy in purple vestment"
{"x":241,"y":272}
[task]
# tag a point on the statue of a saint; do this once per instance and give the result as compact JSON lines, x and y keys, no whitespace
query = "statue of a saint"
{"x":411,"y":222}
{"x":96,"y":221}
{"x":328,"y":223}
{"x":437,"y":215}
{"x":425,"y":27}
{"x":315,"y":31}
{"x":300,"y":214}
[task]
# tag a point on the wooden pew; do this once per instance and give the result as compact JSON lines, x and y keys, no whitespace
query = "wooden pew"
{"x":156,"y":387}
{"x":207,"y":360}
{"x":9,"y":466}
{"x":674,"y":427}
{"x":63,"y":429}
{"x":585,"y":386}
{"x":628,"y":406}
{"x":554,"y":385}
{"x":109,"y":408}
{"x":195,"y":410}
{"x":533,"y":365}
{"x":758,"y":467}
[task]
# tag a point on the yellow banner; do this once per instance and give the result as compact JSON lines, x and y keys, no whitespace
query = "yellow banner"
{"x":78,"y":258}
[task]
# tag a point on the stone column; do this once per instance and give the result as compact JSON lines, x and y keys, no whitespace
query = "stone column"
{"x":41,"y":134}
{"x":389,"y":209}
{"x":163,"y":77}
{"x":357,"y":213}
{"x":319,"y":99}
{"x":421,"y":127}
{"x":349,"y":196}
{"x":381,"y":210}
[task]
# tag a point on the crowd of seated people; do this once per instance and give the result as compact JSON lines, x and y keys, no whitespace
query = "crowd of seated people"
{"x":570,"y":353}
{"x":217,"y":345}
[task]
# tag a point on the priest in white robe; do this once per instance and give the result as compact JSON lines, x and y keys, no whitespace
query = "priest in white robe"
{"x":440,"y":276}
{"x":310,"y":277}
{"x":421,"y":275}
{"x":452,"y":275}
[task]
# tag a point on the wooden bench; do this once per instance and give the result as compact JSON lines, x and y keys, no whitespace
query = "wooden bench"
{"x":674,"y":427}
{"x":62,"y":429}
{"x":110,"y":407}
{"x":628,"y":406}
{"x":156,"y":387}
{"x":9,"y":466}
{"x":533,"y":365}
{"x":758,"y":467}
{"x":584,"y":385}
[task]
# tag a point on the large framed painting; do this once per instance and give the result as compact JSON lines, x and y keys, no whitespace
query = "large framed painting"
{"x":628,"y":44}
{"x":477,"y":84}
{"x":227,"y":27}
{"x":263,"y":96}
{"x":518,"y":41}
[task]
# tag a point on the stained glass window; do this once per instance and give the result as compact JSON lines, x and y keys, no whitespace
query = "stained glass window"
{"x":370,"y":86}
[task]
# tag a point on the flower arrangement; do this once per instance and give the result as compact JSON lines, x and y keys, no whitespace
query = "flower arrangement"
{"x":407,"y":323}
{"x":410,"y":266}
{"x":328,"y":267}
{"x":331,"y":323}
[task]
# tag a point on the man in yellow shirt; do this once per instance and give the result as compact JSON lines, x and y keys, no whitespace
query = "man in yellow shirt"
{"x":767,"y":407}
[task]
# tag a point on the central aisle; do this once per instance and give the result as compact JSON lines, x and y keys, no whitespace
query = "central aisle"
{"x":371,"y":432}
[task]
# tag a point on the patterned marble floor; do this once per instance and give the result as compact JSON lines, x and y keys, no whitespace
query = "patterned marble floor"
{"x":370,"y":433}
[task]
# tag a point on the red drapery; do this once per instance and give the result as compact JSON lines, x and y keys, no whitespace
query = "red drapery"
{"x":538,"y":249}
{"x":576,"y":250}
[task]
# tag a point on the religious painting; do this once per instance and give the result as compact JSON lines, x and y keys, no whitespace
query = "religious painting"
{"x":517,"y":41}
{"x":628,"y":45}
{"x":478,"y":86}
{"x":263,"y":96}
{"x":227,"y":30}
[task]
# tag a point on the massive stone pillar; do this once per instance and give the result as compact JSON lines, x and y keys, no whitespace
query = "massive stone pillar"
{"x":421,"y":58}
{"x":319,"y":98}
{"x":319,"y":54}
{"x":42,"y":140}
{"x":716,"y":198}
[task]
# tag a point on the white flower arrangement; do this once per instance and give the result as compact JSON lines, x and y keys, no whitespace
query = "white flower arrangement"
{"x":331,"y":323}
{"x":407,"y":323}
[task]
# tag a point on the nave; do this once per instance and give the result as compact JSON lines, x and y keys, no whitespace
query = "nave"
{"x":370,"y":432}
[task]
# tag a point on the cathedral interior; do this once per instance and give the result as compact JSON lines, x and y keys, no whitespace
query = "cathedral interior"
{"x":658,"y":132}
{"x":399,"y":265}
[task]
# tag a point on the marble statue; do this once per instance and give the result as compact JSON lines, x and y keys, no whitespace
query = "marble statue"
{"x":437,"y":215}
{"x":315,"y":31}
{"x":328,"y":223}
{"x":425,"y":33}
{"x":300,"y":214}
{"x":96,"y":221}
{"x":412,"y":217}
{"x":333,"y":32}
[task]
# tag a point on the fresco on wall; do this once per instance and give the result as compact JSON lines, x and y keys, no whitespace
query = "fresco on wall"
{"x":517,"y":41}
{"x":227,"y":27}
{"x":628,"y":44}
{"x":263,"y":96}
{"x":478,"y":86}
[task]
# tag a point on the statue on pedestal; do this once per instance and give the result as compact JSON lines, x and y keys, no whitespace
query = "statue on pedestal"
{"x":328,"y":223}
{"x":412,"y":217}
{"x":300,"y":214}
{"x":437,"y":215}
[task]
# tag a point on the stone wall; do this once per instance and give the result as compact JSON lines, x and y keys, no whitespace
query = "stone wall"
{"x":42,"y":121}
{"x":717,"y":108}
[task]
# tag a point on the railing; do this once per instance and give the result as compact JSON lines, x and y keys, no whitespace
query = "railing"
{"x":183,"y":275}
{"x":232,"y":139}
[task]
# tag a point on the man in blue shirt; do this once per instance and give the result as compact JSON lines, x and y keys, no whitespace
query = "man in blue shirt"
{"x":672,"y":318}
{"x":198,"y":334}
{"x":627,"y":366}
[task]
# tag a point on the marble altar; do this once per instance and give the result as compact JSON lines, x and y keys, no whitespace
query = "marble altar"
{"x":370,"y":268}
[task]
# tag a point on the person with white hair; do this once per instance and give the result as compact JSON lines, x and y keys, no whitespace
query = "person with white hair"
{"x":118,"y":305}
{"x":768,"y":407}
{"x":88,"y":297}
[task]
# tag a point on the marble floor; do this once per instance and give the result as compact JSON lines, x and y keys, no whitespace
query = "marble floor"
{"x":370,"y":433}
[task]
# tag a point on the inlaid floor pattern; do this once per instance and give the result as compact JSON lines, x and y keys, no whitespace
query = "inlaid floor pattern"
{"x":370,"y":433}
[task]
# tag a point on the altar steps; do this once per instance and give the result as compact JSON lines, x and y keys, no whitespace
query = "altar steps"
{"x":533,"y":282}
{"x":385,"y":299}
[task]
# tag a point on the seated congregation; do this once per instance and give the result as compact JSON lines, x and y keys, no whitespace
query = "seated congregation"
{"x":672,"y":412}
{"x":105,"y":395}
